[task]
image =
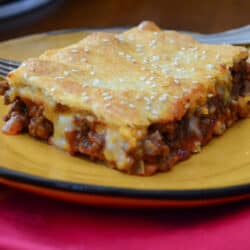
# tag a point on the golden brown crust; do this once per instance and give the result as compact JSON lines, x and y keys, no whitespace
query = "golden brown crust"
{"x":136,"y":78}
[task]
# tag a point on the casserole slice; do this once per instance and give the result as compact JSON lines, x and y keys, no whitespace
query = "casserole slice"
{"x":141,"y":100}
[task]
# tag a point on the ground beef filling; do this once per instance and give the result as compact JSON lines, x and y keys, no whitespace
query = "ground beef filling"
{"x":26,"y":116}
{"x":4,"y":86}
{"x":169,"y":143}
{"x":164,"y":145}
{"x":84,"y":139}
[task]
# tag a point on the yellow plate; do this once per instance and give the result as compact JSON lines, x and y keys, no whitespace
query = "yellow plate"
{"x":220,"y":173}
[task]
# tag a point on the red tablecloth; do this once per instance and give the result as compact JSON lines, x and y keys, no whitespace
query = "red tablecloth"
{"x":31,"y":222}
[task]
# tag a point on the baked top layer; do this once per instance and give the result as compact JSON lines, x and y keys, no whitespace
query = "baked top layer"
{"x":142,"y":76}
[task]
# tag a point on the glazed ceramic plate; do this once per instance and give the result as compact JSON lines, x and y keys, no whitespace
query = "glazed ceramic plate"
{"x":220,"y":173}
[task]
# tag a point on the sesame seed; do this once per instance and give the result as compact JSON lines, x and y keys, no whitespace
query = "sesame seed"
{"x":186,"y":90}
{"x":85,"y":98}
{"x":121,"y":80}
{"x":121,"y":53}
{"x":180,"y":69}
{"x":155,"y":66}
{"x":209,"y":76}
{"x":147,"y":108}
{"x":176,"y":97}
{"x":183,"y":48}
{"x":96,"y":82}
{"x":155,"y":112}
{"x":210,"y":95}
{"x":217,"y":57}
{"x":83,"y":60}
{"x":139,"y":46}
{"x":155,"y":33}
{"x":66,"y":73}
{"x":152,"y":43}
{"x":176,"y":63}
{"x":210,"y":66}
{"x":164,"y":71}
{"x":193,"y":48}
{"x":153,"y":85}
{"x":92,"y":73}
{"x":147,"y":100}
{"x":121,"y":38}
{"x":145,"y":60}
{"x":74,"y":70}
{"x":53,"y":89}
{"x":203,"y":52}
{"x":86,"y":50}
{"x":148,"y":82}
{"x":171,"y":40}
{"x":109,"y":97}
{"x":137,"y":97}
{"x":131,"y":105}
{"x":105,"y":40}
{"x":131,"y":37}
{"x":163,"y":97}
{"x":25,"y":75}
{"x":74,"y":50}
{"x":105,"y":94}
{"x":143,"y":68}
{"x":194,"y":81}
{"x":129,"y":57}
{"x":143,"y":78}
{"x":155,"y":58}
{"x":192,"y":69}
{"x":84,"y":93}
{"x":176,"y":81}
{"x":152,"y":97}
{"x":59,"y":78}
{"x":70,"y":58}
{"x":186,"y":105}
{"x":151,"y":78}
{"x":123,"y":102}
{"x":107,"y":105}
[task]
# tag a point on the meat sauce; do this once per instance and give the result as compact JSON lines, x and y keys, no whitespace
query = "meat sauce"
{"x":26,"y":116}
{"x":169,"y":143}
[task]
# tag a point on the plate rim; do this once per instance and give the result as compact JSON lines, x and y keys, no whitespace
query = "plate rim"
{"x":162,"y":194}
